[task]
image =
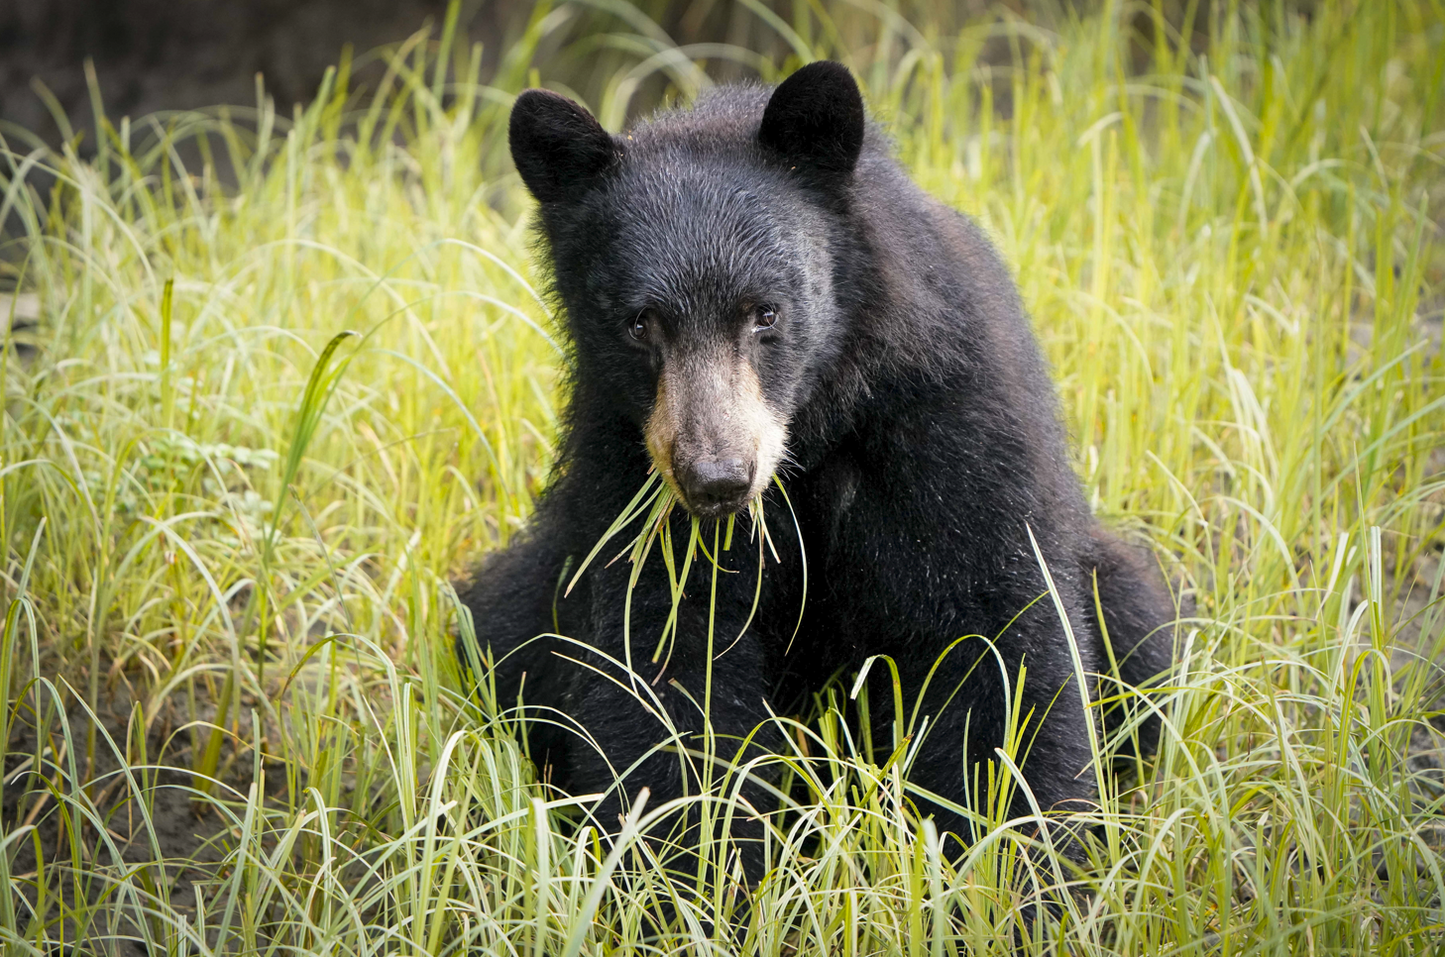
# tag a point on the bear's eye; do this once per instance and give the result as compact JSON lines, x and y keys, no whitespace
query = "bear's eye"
{"x":640,"y":327}
{"x":764,"y":317}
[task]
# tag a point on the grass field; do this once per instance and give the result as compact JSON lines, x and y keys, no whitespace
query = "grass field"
{"x":264,"y":417}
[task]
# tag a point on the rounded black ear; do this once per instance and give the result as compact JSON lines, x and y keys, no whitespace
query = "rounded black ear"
{"x":557,"y":146}
{"x":815,"y":120}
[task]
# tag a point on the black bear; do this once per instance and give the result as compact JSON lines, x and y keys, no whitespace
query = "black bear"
{"x":763,"y":308}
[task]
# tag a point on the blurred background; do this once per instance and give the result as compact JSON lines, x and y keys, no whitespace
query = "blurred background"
{"x":151,"y":56}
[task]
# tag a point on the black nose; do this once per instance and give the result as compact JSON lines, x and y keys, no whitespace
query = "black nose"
{"x":716,"y":485}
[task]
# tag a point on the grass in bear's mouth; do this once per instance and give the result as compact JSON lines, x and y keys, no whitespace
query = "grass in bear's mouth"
{"x":649,"y":516}
{"x":234,"y":722}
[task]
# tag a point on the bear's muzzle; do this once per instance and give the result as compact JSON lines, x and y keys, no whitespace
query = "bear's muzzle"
{"x":711,"y":433}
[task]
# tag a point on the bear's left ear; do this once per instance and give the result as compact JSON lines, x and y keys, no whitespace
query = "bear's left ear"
{"x":557,"y":146}
{"x":815,"y":120}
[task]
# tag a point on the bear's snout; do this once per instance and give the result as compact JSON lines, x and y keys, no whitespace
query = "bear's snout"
{"x":711,"y":433}
{"x":716,"y":486}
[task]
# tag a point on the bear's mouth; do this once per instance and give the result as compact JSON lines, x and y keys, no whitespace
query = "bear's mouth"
{"x":712,"y":434}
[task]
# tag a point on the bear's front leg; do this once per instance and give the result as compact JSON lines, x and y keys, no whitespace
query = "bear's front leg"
{"x":518,"y":605}
{"x":1016,"y":692}
{"x":677,"y":723}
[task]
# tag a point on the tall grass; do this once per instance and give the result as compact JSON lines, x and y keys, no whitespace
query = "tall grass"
{"x":229,"y":526}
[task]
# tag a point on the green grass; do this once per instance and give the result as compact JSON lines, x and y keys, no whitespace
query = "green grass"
{"x":230,"y":532}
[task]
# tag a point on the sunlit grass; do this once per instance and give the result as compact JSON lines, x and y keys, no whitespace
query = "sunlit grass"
{"x":229,"y":530}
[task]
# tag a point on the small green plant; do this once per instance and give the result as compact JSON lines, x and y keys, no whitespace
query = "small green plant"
{"x":234,"y":720}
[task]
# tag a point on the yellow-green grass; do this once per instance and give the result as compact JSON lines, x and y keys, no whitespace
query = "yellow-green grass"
{"x":230,"y":532}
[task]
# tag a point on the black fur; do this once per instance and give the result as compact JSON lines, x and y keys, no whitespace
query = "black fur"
{"x":559,"y":147}
{"x":924,"y":443}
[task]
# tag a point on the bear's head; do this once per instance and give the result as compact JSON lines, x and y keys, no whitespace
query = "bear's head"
{"x":695,"y":258}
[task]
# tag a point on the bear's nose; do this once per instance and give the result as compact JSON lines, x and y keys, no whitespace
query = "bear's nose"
{"x":716,"y":485}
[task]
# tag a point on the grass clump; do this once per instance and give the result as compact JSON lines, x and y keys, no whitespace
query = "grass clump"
{"x":233,"y":720}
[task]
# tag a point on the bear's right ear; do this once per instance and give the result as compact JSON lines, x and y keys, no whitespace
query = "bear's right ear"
{"x":815,"y":120}
{"x":557,"y":146}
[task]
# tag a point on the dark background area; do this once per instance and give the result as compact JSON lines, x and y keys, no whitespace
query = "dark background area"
{"x":154,"y":55}
{"x":158,"y":55}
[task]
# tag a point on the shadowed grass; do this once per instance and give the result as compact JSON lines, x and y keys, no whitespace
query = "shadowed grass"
{"x":228,"y":532}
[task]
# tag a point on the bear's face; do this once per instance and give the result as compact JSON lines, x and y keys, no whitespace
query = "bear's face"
{"x":694,"y":269}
